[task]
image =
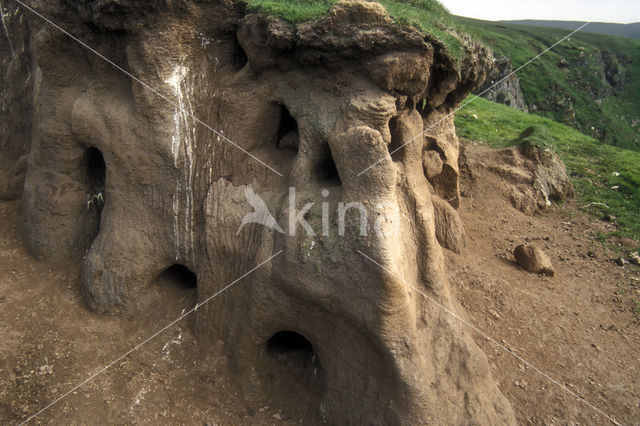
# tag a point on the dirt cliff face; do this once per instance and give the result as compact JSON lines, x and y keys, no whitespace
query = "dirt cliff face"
{"x":17,"y":77}
{"x":124,"y":178}
{"x":502,"y":85}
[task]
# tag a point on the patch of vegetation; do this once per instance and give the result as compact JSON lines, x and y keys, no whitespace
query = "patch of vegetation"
{"x":537,"y":136}
{"x":427,"y":16}
{"x":590,"y":81}
{"x":294,"y":11}
{"x":606,"y":178}
{"x":636,"y":307}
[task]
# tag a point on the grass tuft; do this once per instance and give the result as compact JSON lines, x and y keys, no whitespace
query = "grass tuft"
{"x":537,"y":136}
{"x":293,"y":11}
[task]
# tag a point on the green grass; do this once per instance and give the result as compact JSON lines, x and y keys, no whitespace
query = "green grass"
{"x":427,"y":16}
{"x":591,"y":163}
{"x":537,"y":136}
{"x":294,"y":11}
{"x":599,"y":99}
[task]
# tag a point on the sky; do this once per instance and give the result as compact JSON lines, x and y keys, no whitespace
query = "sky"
{"x":619,"y":11}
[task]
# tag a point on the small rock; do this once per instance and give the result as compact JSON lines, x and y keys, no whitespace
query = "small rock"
{"x":533,"y":259}
{"x":634,"y":258}
{"x":277,"y":416}
{"x":521,"y":384}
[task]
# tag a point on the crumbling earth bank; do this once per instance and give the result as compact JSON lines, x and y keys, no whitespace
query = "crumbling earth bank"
{"x":123,"y":178}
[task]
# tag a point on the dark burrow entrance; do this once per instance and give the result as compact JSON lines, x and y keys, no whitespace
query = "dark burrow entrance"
{"x":294,"y":370}
{"x":285,"y":342}
{"x":239,"y":56}
{"x":96,"y":170}
{"x":95,"y":175}
{"x":179,"y":277}
{"x":172,"y":291}
{"x":288,"y":136}
{"x":396,"y":147}
{"x":326,"y":170}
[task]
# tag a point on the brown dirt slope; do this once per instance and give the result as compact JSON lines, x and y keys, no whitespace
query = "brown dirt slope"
{"x":51,"y":343}
{"x":578,"y":327}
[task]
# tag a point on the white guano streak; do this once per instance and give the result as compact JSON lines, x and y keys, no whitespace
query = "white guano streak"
{"x":6,"y":29}
{"x":182,"y":143}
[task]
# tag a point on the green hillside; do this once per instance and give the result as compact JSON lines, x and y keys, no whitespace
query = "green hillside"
{"x":601,"y":173}
{"x":590,"y":81}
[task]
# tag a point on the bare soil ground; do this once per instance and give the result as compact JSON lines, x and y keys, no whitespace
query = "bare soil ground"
{"x":51,"y":343}
{"x":578,"y":327}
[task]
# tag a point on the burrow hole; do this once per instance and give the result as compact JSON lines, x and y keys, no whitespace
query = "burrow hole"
{"x":179,"y":277}
{"x":95,"y":171}
{"x":288,"y":136}
{"x":172,"y":292}
{"x":240,"y":58}
{"x":284,"y":342}
{"x":326,"y":170}
{"x":396,"y":148}
{"x":298,"y":365}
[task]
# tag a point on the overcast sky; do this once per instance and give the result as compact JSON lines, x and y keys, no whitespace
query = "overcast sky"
{"x":621,"y":11}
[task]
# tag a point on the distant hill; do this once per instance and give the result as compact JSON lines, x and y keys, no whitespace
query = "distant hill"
{"x":622,"y":30}
{"x":590,"y":82}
